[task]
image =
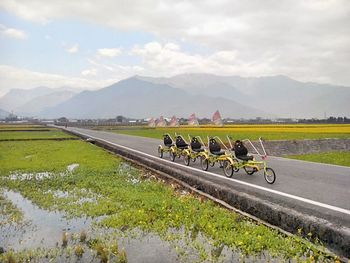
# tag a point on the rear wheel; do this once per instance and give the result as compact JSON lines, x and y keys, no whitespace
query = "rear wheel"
{"x":160,"y":151}
{"x":172,"y":156}
{"x":187,"y":160}
{"x":269,"y":175}
{"x":228,"y":169}
{"x":204,"y":164}
{"x":249,"y":170}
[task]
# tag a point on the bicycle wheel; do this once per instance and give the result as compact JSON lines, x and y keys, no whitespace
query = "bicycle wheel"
{"x":172,"y":156}
{"x":160,"y":151}
{"x":187,"y":160}
{"x":228,"y":169}
{"x":204,"y":164}
{"x":269,"y":175}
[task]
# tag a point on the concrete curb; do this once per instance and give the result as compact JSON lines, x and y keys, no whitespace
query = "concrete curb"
{"x":335,"y":238}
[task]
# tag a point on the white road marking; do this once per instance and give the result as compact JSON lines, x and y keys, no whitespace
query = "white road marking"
{"x":302,"y":199}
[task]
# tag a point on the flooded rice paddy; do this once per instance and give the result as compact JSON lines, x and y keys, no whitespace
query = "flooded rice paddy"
{"x":41,"y":233}
{"x":70,"y":201}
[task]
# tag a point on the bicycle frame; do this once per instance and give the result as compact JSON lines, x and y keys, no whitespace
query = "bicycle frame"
{"x":212,"y":158}
{"x":257,"y":165}
{"x":193,"y":154}
{"x":178,"y":152}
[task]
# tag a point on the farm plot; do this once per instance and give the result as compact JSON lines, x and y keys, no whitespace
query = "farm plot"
{"x":252,"y":132}
{"x":338,"y":157}
{"x":99,"y":208}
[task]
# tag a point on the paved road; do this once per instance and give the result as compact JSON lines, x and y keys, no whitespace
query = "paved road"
{"x":320,"y":190}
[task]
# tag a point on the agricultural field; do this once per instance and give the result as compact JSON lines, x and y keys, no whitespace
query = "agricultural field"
{"x":71,"y":201}
{"x":21,"y":126}
{"x":26,"y":135}
{"x":30,"y":132}
{"x":252,"y":132}
{"x":338,"y":158}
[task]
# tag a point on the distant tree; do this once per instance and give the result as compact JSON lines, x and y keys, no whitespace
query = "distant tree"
{"x":62,"y":119}
{"x":120,"y":119}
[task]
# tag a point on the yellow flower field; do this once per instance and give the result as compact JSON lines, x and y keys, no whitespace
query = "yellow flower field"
{"x":253,"y":132}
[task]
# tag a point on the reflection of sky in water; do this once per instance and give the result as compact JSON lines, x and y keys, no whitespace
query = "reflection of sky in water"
{"x":46,"y":227}
{"x":45,"y":230}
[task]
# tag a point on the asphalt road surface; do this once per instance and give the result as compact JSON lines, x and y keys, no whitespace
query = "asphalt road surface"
{"x":320,"y":190}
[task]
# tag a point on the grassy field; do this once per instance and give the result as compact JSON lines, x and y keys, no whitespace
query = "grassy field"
{"x":338,"y":158}
{"x":252,"y":132}
{"x":124,"y":198}
{"x":24,"y":135}
{"x":22,"y":126}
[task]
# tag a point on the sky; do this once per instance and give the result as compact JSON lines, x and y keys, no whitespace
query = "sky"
{"x":91,"y":44}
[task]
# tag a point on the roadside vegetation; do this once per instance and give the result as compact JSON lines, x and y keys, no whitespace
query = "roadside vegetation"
{"x":252,"y":132}
{"x":22,"y":127}
{"x":338,"y":157}
{"x":32,"y":135}
{"x":82,"y":181}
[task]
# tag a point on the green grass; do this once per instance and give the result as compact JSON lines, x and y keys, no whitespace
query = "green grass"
{"x":21,"y":126}
{"x":235,"y":134}
{"x":51,"y":156}
{"x":128,"y":198}
{"x":15,"y":135}
{"x":338,"y":158}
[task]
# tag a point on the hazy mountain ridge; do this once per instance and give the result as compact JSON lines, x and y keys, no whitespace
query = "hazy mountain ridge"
{"x":31,"y":102}
{"x":280,"y":95}
{"x":39,"y":104}
{"x":18,"y":97}
{"x":137,"y":98}
{"x":140,"y":97}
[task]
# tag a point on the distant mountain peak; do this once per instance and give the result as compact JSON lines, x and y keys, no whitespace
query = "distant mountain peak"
{"x":24,"y":100}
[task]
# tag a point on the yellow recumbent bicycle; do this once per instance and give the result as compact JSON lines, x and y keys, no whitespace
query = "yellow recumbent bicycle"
{"x":217,"y":155}
{"x":195,"y":150}
{"x":247,"y":162}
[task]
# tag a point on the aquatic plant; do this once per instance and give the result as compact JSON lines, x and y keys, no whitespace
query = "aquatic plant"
{"x":65,"y":239}
{"x":78,"y":251}
{"x":82,"y":236}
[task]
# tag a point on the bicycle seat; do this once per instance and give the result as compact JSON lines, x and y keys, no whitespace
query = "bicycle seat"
{"x":168,"y":142}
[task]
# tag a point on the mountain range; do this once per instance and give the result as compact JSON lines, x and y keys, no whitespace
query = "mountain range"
{"x":279,"y":95}
{"x":137,"y":98}
{"x":33,"y":102}
{"x":181,"y":95}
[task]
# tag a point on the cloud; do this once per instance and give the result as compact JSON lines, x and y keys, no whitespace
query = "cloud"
{"x":116,"y":70}
{"x":73,"y":49}
{"x":108,"y":52}
{"x":12,"y":32}
{"x":303,"y":39}
{"x":168,"y":59}
{"x":26,"y":79}
{"x":89,"y":72}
